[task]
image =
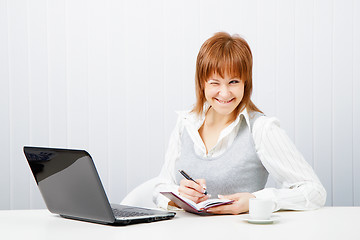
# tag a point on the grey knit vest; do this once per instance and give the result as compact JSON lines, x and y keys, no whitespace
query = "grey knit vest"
{"x":239,"y":169}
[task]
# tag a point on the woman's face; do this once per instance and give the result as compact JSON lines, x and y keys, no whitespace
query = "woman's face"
{"x":224,"y":94}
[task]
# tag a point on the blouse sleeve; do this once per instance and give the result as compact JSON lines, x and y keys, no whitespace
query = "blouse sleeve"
{"x":300,"y":187}
{"x":166,"y":179}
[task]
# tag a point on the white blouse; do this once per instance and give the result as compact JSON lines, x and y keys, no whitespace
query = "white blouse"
{"x":300,"y":187}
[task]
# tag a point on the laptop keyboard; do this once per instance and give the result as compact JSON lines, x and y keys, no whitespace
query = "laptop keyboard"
{"x":129,"y":213}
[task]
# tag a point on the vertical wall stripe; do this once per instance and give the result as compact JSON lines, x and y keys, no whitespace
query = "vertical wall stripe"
{"x":294,"y":75}
{"x":285,"y":66}
{"x":276,"y":75}
{"x":117,"y":100}
{"x":332,"y":100}
{"x":108,"y":96}
{"x":356,"y":101}
{"x":29,"y":100}
{"x":353,"y":102}
{"x":11,"y":196}
{"x":322,"y":93}
{"x":19,"y":50}
{"x":97,"y":85}
{"x":313,"y":85}
{"x":342,"y":103}
{"x":5,"y":180}
{"x":67,"y":80}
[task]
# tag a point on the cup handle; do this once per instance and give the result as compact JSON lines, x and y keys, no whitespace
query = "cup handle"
{"x":274,"y":206}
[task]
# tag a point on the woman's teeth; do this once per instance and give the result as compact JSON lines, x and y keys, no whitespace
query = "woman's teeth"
{"x":220,"y":101}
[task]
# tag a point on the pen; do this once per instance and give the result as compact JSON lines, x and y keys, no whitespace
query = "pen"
{"x":190,"y":178}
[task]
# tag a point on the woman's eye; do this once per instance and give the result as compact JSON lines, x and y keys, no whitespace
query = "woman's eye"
{"x":234,"y":81}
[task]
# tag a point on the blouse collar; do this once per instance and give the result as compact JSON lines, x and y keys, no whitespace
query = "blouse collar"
{"x":197,"y":121}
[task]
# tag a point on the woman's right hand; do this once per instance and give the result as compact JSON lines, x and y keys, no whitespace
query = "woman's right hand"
{"x":192,"y":190}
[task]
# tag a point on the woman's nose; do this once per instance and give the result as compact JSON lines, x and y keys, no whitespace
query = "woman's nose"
{"x":224,"y":92}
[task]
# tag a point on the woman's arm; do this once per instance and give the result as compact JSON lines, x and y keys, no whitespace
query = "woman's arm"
{"x":300,"y":187}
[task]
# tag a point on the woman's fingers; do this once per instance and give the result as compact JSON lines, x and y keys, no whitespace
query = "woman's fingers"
{"x":190,"y":191}
{"x":190,"y":197}
{"x":204,"y":198}
{"x":193,"y":190}
{"x":193,"y":185}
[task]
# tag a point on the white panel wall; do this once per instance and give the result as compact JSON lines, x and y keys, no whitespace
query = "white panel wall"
{"x":108,"y":76}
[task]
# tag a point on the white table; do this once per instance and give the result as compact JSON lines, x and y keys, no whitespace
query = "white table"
{"x":338,"y":223}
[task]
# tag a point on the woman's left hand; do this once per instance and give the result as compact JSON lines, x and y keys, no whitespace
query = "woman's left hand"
{"x":240,"y":204}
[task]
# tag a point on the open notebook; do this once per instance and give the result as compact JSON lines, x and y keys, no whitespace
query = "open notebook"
{"x":190,"y":206}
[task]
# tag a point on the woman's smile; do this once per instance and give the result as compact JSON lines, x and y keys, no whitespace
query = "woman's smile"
{"x":224,"y":101}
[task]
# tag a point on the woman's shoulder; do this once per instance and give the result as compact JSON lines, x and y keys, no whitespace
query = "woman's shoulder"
{"x":187,"y":116}
{"x":265,"y":128}
{"x":184,"y":117}
{"x":264,"y":122}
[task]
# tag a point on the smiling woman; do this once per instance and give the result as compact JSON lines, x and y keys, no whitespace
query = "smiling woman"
{"x":229,"y":145}
{"x":223,"y":56}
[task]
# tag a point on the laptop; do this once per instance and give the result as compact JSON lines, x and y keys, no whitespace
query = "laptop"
{"x":71,"y":187}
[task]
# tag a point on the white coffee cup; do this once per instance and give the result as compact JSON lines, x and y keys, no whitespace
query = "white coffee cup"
{"x":260,"y":209}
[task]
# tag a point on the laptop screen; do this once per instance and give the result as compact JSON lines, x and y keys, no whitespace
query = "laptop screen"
{"x":69,"y":183}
